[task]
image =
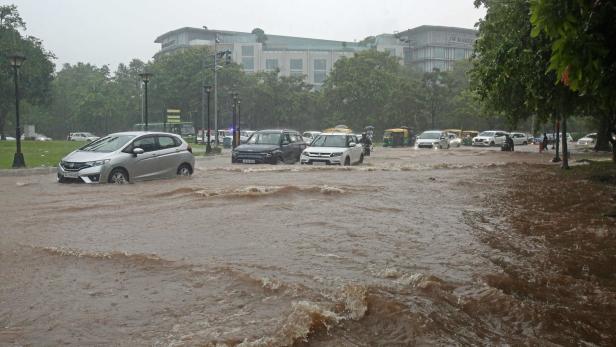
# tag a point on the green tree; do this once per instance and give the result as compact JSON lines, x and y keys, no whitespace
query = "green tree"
{"x":509,"y":67}
{"x":35,"y":74}
{"x":581,"y":35}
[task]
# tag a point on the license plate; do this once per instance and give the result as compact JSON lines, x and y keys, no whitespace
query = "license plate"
{"x":318,"y":163}
{"x":71,"y":174}
{"x":248,"y":161}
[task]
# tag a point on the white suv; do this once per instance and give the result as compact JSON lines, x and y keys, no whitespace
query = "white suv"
{"x":490,"y":138}
{"x":89,"y":137}
{"x":519,"y":138}
{"x":333,"y":149}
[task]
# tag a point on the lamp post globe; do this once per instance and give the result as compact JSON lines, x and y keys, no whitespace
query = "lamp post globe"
{"x":16,"y":60}
{"x":145,"y":77}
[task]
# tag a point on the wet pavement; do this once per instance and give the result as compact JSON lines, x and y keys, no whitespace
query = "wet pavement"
{"x":414,"y":247}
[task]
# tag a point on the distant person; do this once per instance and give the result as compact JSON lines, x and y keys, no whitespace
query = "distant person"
{"x":544,"y":143}
{"x":367,"y":143}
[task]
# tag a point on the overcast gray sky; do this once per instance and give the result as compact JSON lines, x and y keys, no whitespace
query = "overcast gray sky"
{"x":114,"y":31}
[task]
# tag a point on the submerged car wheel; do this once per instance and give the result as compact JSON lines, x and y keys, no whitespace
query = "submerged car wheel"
{"x":361,"y":159}
{"x":347,"y":161}
{"x":118,"y":176}
{"x":184,"y":170}
{"x":278,"y":161}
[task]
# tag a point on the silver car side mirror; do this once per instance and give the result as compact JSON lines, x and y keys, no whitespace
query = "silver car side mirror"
{"x":137,"y":151}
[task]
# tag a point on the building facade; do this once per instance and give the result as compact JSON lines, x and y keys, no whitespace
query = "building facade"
{"x":436,"y":47}
{"x":423,"y":47}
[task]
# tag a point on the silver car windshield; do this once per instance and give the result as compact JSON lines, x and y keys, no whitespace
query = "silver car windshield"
{"x":430,"y":136}
{"x":487,"y":133}
{"x":329,"y":141}
{"x":107,"y":144}
{"x":264,"y":139}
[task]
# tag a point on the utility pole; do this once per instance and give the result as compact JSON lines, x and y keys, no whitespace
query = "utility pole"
{"x":216,"y":86}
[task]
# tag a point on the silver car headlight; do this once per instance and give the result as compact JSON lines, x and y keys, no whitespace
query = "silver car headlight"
{"x":305,"y":154}
{"x":98,"y":162}
{"x":234,"y":153}
{"x":268,"y":155}
{"x":337,"y":154}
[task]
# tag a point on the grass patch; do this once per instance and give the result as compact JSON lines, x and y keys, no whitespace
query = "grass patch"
{"x":37,"y":153}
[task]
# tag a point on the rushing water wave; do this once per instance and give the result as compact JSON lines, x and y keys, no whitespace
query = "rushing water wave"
{"x":411,"y":248}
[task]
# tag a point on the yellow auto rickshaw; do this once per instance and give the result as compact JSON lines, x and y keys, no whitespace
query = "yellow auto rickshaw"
{"x":339,"y":129}
{"x":397,"y":137}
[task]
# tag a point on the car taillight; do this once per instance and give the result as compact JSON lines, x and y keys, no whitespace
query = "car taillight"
{"x":189,"y":149}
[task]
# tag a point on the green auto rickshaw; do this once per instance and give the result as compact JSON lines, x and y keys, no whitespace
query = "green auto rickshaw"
{"x":397,"y":137}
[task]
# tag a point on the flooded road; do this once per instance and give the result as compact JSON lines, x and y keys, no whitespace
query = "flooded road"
{"x":410,"y":248}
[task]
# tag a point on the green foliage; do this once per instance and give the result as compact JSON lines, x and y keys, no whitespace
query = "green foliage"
{"x":35,"y":74}
{"x":509,"y":66}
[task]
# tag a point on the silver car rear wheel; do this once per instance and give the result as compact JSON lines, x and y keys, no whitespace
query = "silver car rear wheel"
{"x":118,"y":176}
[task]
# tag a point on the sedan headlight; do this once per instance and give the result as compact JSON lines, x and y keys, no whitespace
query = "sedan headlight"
{"x":336,"y":154}
{"x":98,"y":162}
{"x":234,"y":153}
{"x":305,"y":154}
{"x":268,"y":155}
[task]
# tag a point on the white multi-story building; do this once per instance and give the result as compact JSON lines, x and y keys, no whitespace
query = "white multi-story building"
{"x":423,"y":47}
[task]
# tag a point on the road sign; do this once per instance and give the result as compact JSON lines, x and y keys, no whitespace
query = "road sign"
{"x":173,"y":116}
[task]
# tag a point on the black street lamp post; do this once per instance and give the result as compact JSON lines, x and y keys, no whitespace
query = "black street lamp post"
{"x":239,"y":121}
{"x":145,"y":77}
{"x":208,"y":146}
{"x":16,"y":61}
{"x":234,"y":124}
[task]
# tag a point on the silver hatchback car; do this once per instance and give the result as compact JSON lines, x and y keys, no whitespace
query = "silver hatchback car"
{"x":128,"y":156}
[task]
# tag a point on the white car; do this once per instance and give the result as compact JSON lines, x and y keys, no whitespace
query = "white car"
{"x":333,"y":149}
{"x":519,"y":138}
{"x":82,"y":136}
{"x":588,"y":141}
{"x":454,"y":140}
{"x":310,"y":135}
{"x":432,"y":139}
{"x":490,"y":138}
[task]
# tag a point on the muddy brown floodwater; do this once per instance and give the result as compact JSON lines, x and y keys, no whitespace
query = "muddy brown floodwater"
{"x":458,"y":247}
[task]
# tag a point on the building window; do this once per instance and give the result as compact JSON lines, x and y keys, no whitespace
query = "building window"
{"x":460,"y":53}
{"x":271,"y":64}
{"x":297,"y":67}
{"x":320,"y":70}
{"x":248,"y":57}
{"x":438,"y":52}
{"x":408,"y":57}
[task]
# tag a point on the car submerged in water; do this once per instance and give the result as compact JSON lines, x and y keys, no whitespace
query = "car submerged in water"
{"x":128,"y":157}
{"x":333,"y":149}
{"x":433,"y":139}
{"x":270,"y":147}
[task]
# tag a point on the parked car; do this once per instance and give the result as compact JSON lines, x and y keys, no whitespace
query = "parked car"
{"x":128,"y":157}
{"x":201,"y":136}
{"x":454,"y":140}
{"x":41,"y":137}
{"x":310,"y":135}
{"x":432,"y":139}
{"x":333,"y":149}
{"x":245,"y":134}
{"x":82,"y":136}
{"x":270,"y":147}
{"x":10,"y":138}
{"x":519,"y":138}
{"x":588,"y":140}
{"x":490,"y":138}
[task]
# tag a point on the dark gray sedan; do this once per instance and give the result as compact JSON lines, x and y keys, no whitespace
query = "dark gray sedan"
{"x":127,"y":157}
